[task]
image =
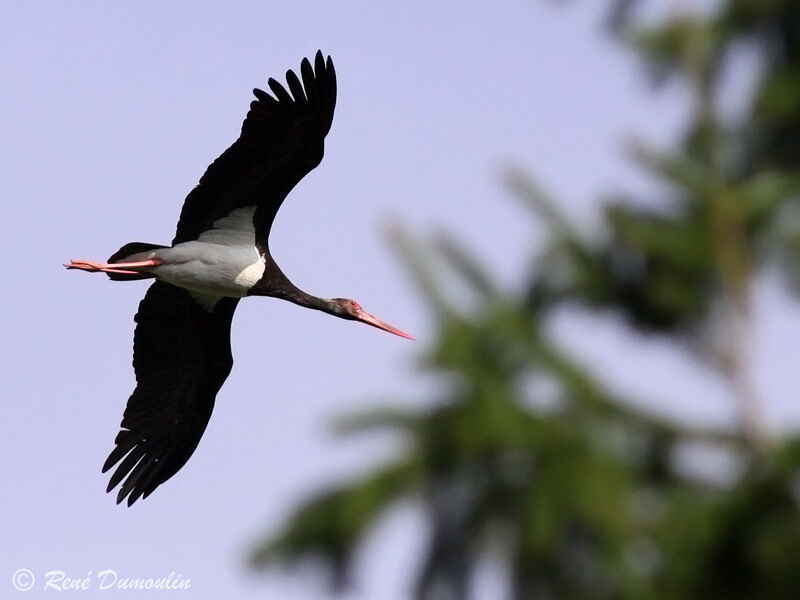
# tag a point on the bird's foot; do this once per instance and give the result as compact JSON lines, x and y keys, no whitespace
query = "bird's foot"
{"x":124,"y":268}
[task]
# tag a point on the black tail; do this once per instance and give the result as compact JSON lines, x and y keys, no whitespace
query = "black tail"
{"x":125,"y":252}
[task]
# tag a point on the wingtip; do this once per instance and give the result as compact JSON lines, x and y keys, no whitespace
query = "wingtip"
{"x":280,"y":92}
{"x":319,"y":63}
{"x":126,"y":491}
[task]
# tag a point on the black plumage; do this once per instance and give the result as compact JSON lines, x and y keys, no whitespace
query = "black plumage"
{"x":281,"y":141}
{"x":182,"y":353}
{"x":181,"y":356}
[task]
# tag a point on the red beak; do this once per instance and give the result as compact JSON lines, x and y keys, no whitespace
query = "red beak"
{"x":367,"y":318}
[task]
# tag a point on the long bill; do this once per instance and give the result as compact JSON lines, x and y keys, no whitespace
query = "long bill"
{"x":367,"y":318}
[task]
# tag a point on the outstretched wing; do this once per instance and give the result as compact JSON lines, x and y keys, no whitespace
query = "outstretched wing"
{"x":282,"y":140}
{"x":181,"y":356}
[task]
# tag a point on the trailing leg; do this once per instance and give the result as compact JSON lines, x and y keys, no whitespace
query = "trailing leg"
{"x":126,"y":268}
{"x":118,"y":268}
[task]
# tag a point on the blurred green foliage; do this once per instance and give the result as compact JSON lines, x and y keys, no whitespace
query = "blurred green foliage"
{"x":527,"y":455}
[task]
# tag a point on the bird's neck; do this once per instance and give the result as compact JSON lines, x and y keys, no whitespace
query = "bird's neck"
{"x":301,"y":298}
{"x":276,"y":285}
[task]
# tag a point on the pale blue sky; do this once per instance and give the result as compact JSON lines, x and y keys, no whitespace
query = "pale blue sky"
{"x":110,"y":115}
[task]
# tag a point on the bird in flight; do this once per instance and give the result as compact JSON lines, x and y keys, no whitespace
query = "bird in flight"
{"x":181,"y":346}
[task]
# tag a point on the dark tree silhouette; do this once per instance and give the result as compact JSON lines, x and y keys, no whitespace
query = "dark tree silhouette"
{"x":528,"y":453}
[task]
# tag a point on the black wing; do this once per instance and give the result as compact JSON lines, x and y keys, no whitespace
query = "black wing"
{"x":182,"y":356}
{"x":281,"y":141}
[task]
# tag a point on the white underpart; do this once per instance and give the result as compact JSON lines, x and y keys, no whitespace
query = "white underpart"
{"x":222,"y":261}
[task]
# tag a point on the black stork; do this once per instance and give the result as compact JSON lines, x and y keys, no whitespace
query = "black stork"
{"x":181,"y":347}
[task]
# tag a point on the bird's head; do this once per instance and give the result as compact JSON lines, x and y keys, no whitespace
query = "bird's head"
{"x":350,"y":309}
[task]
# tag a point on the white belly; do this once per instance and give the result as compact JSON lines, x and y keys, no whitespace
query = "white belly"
{"x":222,"y":261}
{"x":210,"y":269}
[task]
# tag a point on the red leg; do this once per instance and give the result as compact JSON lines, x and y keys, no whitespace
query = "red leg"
{"x":121,"y":267}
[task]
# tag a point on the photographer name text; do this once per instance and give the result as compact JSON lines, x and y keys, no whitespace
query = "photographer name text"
{"x":107,"y":579}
